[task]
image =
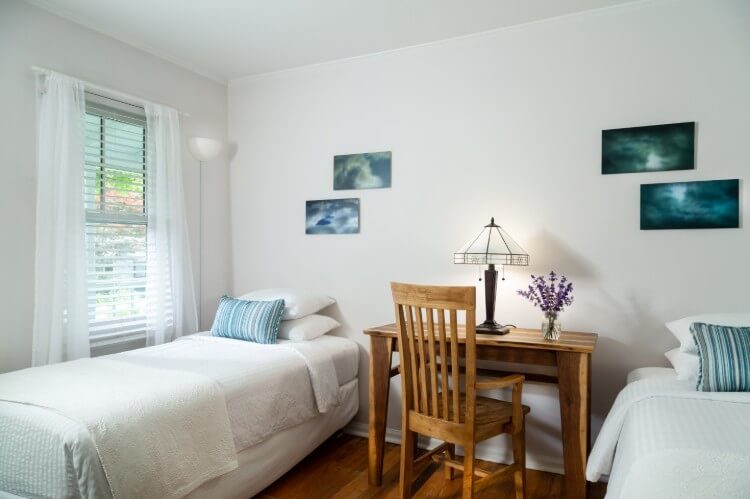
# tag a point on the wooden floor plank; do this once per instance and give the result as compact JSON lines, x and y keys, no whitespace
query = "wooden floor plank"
{"x":338,"y":470}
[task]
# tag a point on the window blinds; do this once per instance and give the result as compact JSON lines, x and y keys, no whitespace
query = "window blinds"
{"x":115,"y":203}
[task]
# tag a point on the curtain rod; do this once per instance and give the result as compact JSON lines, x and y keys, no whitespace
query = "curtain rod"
{"x":111,"y":92}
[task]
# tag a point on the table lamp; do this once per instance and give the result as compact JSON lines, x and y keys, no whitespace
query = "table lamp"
{"x":493,"y":246}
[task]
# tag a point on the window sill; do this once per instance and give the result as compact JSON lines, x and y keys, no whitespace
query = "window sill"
{"x":109,"y":345}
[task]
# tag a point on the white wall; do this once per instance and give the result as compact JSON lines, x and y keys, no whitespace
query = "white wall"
{"x":506,"y":124}
{"x":30,"y":36}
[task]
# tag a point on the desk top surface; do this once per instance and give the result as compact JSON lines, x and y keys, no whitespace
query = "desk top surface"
{"x":517,"y":338}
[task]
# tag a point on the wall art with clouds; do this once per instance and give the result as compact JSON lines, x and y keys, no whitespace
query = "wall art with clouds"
{"x":654,"y":148}
{"x":332,"y":216}
{"x":712,"y":204}
{"x":370,"y":170}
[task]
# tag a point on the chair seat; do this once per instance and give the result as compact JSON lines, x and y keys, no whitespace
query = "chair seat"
{"x":490,"y":419}
{"x":489,"y":410}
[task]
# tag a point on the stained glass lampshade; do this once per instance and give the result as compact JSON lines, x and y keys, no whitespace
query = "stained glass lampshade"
{"x":493,"y":246}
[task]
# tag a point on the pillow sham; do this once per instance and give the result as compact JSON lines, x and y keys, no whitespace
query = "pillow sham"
{"x":307,"y":328}
{"x":724,"y":354}
{"x":256,"y":321}
{"x":297,"y":304}
{"x":681,"y":327}
{"x":686,"y":364}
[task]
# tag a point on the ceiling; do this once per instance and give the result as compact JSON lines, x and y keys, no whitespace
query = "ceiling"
{"x":227,"y":39}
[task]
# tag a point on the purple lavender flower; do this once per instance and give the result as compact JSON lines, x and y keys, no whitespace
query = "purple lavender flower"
{"x":551,"y":297}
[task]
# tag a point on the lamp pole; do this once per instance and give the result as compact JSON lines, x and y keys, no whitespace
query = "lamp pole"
{"x":200,"y":246}
{"x":203,"y":149}
{"x":490,"y":293}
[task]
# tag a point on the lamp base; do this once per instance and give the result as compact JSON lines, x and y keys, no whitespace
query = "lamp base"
{"x":492,"y":327}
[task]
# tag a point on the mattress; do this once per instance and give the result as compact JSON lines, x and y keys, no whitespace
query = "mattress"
{"x":664,"y":439}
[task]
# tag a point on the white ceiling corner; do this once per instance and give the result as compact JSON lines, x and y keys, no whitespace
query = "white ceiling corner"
{"x":228,"y":39}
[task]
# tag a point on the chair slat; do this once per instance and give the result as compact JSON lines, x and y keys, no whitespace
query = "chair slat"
{"x":433,"y":362}
{"x":422,"y":363}
{"x":404,"y":347}
{"x":455,"y":368}
{"x":443,"y":362}
{"x":413,"y":357}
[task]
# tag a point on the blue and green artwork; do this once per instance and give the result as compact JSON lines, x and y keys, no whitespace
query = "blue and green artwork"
{"x":713,"y":204}
{"x":332,"y":216}
{"x":654,"y":148}
{"x":370,"y":170}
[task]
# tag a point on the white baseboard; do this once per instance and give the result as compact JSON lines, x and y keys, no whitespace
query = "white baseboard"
{"x":551,"y":464}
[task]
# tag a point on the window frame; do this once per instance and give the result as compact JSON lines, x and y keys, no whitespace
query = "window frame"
{"x":108,"y":109}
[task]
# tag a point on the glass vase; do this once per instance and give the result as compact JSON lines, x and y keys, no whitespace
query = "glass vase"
{"x":551,"y":327}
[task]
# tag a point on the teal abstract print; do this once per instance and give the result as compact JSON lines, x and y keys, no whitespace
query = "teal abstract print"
{"x":256,"y":321}
{"x":708,"y":204}
{"x":724,"y":354}
{"x":654,"y":148}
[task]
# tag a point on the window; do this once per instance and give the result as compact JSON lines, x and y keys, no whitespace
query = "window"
{"x":116,"y":222}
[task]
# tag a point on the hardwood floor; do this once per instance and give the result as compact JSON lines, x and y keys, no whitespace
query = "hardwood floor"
{"x":338,"y":470}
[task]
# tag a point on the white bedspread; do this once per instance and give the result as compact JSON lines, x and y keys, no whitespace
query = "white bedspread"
{"x":673,"y":441}
{"x":266,"y":388}
{"x":168,"y":429}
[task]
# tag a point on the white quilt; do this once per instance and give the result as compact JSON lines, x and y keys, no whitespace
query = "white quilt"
{"x":664,"y":439}
{"x":268,"y":388}
{"x":168,"y":429}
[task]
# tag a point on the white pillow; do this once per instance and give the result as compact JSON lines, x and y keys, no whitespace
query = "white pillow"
{"x":297,"y":303}
{"x":681,"y":327}
{"x":687,"y":365}
{"x":307,"y":328}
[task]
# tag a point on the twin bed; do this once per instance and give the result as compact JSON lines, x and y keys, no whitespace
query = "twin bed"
{"x":663,"y":439}
{"x":218,"y":418}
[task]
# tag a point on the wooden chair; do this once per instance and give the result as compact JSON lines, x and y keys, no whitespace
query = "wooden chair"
{"x":433,"y":403}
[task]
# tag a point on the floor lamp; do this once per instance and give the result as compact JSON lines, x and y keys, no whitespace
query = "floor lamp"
{"x":203,"y":149}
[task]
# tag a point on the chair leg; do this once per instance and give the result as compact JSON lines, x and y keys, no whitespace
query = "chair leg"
{"x":407,"y":462}
{"x":519,"y":458}
{"x":468,"y":470}
{"x":450,"y":473}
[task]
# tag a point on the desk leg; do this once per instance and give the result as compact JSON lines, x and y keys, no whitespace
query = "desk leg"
{"x":381,"y":350}
{"x":573,"y":375}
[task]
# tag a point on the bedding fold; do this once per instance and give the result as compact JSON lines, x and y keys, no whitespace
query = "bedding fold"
{"x":158,"y":433}
{"x":322,"y":372}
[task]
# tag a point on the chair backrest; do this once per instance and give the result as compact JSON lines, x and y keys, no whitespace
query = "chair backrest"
{"x":427,"y":323}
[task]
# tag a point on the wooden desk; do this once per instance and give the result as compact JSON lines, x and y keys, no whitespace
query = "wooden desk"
{"x":571,"y":354}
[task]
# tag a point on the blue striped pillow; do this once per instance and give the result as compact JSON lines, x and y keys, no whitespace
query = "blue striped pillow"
{"x":724,"y":354}
{"x":256,"y":321}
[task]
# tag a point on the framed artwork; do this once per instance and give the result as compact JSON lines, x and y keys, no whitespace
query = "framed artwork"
{"x":712,"y":204}
{"x":332,"y":216}
{"x":370,"y":170}
{"x":655,"y":148}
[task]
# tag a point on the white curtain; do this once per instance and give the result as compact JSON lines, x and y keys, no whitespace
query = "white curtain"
{"x":60,"y":313}
{"x":169,"y":276}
